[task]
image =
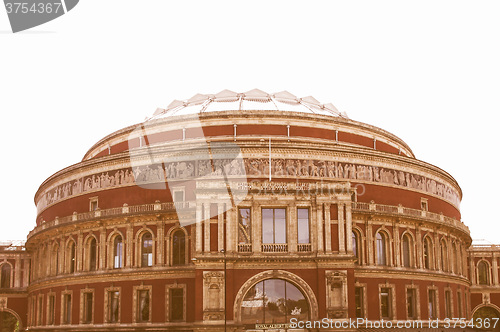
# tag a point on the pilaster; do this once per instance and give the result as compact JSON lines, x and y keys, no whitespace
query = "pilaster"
{"x":328,"y":229}
{"x":341,"y":228}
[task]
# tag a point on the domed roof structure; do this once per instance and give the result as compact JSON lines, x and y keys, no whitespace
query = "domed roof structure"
{"x":251,"y":100}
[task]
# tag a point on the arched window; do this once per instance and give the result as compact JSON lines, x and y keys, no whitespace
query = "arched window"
{"x":444,"y":256}
{"x":55,"y":260}
{"x":274,"y":301}
{"x":147,"y":249}
{"x":5,"y":276}
{"x":406,"y":250}
{"x":454,"y":259}
{"x":356,"y":248}
{"x":178,"y":248}
{"x":483,"y":277}
{"x":427,"y":253}
{"x":118,"y":252}
{"x":71,"y":257}
{"x":381,"y":248}
{"x":92,"y":250}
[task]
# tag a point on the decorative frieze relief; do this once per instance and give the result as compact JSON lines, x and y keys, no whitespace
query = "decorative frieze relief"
{"x":251,"y":167}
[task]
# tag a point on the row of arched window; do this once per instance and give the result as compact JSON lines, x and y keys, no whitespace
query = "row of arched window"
{"x":54,"y":259}
{"x":450,"y":259}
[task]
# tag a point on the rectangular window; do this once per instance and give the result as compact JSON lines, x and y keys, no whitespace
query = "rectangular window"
{"x":385,"y":303}
{"x":94,"y":203}
{"x":447,"y":303}
{"x":176,"y":304}
{"x":113,"y":306}
{"x":66,"y":309}
{"x":303,"y":225}
{"x":359,"y":302}
{"x":411,"y":303}
{"x":432,"y":304}
{"x":244,"y":226}
{"x":459,"y":305}
{"x":51,"y":309}
{"x":88,"y":305}
{"x":273,"y":226}
{"x":143,"y":305}
{"x":40,"y":310}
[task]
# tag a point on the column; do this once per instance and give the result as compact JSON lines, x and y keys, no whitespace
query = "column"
{"x":220,"y":227}
{"x":348,"y":224}
{"x":130,"y":243}
{"x":199,"y":231}
{"x":206,"y":216}
{"x":328,"y":229}
{"x":231,"y":223}
{"x":341,"y":228}
{"x":472,"y":276}
{"x":494,"y":272}
{"x":437,"y":255}
{"x":256,"y":228}
{"x":160,"y":243}
{"x":419,"y":248}
{"x":292,"y":225}
{"x":319,"y":220}
{"x":397,"y":247}
{"x":79,"y":252}
{"x":17,"y":272}
{"x":102,"y":248}
{"x":369,"y":241}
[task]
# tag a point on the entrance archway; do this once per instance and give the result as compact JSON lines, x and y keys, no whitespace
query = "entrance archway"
{"x":485,"y":314}
{"x":272,"y":299}
{"x":9,"y":322}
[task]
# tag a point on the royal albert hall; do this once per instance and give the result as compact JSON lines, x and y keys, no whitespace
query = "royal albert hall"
{"x":243,"y":212}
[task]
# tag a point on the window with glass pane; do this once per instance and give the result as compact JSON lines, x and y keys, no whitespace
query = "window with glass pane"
{"x":244,"y":226}
{"x":359,"y":302}
{"x":459,"y":305}
{"x":273,"y":226}
{"x":482,"y":273}
{"x":178,"y":248}
{"x":113,"y":306}
{"x":88,"y":300}
{"x":427,"y":253}
{"x":447,"y":303}
{"x":381,"y":249}
{"x":5,"y":276}
{"x":303,"y":225}
{"x":385,"y":303}
{"x":52,"y":305}
{"x":72,"y":258}
{"x":118,"y":252}
{"x":147,"y":250}
{"x":406,"y":250}
{"x":143,"y":305}
{"x":93,"y":255}
{"x":411,"y":303}
{"x":67,"y":309}
{"x":444,"y":256}
{"x":432,"y":304}
{"x":176,"y":305}
{"x":355,"y":247}
{"x":273,"y":301}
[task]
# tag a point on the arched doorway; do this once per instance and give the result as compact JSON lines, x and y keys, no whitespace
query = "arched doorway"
{"x":8,"y":322}
{"x":273,"y":301}
{"x":490,"y":315}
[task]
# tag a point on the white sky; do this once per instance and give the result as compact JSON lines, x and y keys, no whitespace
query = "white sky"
{"x":427,"y":71}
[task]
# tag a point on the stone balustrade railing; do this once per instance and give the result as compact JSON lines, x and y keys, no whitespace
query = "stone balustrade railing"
{"x":408,"y":212}
{"x":190,"y":206}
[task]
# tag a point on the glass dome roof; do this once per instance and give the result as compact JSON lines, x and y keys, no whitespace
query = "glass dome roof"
{"x":255,"y":99}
